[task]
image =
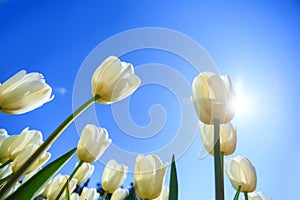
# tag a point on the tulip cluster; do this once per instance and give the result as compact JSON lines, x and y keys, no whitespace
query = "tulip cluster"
{"x":213,"y":99}
{"x":112,"y":81}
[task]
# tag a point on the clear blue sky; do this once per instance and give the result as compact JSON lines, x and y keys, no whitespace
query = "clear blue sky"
{"x":255,"y":42}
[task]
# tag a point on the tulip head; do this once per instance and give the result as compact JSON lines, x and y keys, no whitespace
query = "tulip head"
{"x":149,"y":176}
{"x":92,"y":143}
{"x":90,"y":194}
{"x":23,"y":156}
{"x":84,"y":172}
{"x":119,"y":194}
{"x":24,"y":92}
{"x":242,"y":173}
{"x":213,"y":98}
{"x":113,"y":176}
{"x":228,"y":138}
{"x":114,"y":80}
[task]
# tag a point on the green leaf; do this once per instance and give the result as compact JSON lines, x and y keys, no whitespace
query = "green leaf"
{"x":173,"y":194}
{"x":27,"y":190}
{"x":236,"y":197}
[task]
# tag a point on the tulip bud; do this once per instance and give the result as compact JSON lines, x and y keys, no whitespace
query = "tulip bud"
{"x":149,"y":176}
{"x":23,"y":156}
{"x":84,"y":172}
{"x":54,"y":186}
{"x":227,"y":138}
{"x":24,"y":92}
{"x":119,"y":194}
{"x":242,"y":173}
{"x":92,"y":143}
{"x":90,"y":194}
{"x":164,"y":195}
{"x":113,"y":176}
{"x":15,"y":144}
{"x":213,"y":98}
{"x":257,"y":196}
{"x":114,"y":80}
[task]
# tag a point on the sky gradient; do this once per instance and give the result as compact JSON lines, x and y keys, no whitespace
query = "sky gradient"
{"x":255,"y":42}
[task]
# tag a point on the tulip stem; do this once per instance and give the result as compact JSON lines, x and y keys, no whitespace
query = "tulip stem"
{"x":57,"y":132}
{"x":218,"y":164}
{"x":246,"y":195}
{"x":104,"y":195}
{"x":69,"y":179}
{"x":6,"y":163}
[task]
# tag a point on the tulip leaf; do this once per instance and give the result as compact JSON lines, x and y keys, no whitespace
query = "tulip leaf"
{"x":173,"y":194}
{"x":236,"y":197}
{"x":30,"y":187}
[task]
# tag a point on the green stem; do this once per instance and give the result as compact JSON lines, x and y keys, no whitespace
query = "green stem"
{"x":69,"y":179}
{"x":237,"y":194}
{"x":104,"y":195}
{"x":5,"y":164}
{"x":46,"y":145}
{"x":219,"y":182}
{"x":246,"y":195}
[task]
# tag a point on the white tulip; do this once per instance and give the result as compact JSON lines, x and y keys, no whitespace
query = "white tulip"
{"x":257,"y":196}
{"x":114,"y":80}
{"x":149,"y":176}
{"x":84,"y":172}
{"x":113,"y":176}
{"x":92,"y":143}
{"x":213,"y":98}
{"x":242,"y":173}
{"x":15,"y":144}
{"x":164,"y":195}
{"x":54,"y":186}
{"x":119,"y":194}
{"x":90,"y":194}
{"x":23,"y":156}
{"x":228,"y":138}
{"x":24,"y":92}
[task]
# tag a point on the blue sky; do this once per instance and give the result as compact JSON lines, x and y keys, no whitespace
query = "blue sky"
{"x":256,"y":43}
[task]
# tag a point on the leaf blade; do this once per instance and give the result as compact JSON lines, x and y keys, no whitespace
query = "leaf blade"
{"x":173,"y":194}
{"x":28,"y":189}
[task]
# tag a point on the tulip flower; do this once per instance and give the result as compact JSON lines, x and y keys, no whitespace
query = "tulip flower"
{"x":25,"y":154}
{"x":213,"y":98}
{"x":119,"y":194}
{"x":258,"y":196}
{"x":84,"y":172}
{"x":114,"y":80}
{"x":227,"y":138}
{"x":113,"y":176}
{"x":164,"y":195}
{"x":14,"y":145}
{"x":242,"y":173}
{"x":24,"y":92}
{"x":92,"y":143}
{"x":149,"y":176}
{"x":53,"y":187}
{"x":90,"y":194}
